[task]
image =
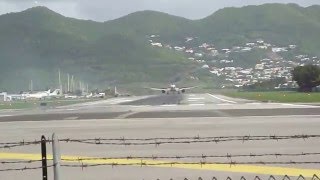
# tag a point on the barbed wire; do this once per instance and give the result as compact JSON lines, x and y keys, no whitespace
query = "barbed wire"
{"x":25,"y":168}
{"x":154,"y":157}
{"x":245,"y":137}
{"x":145,"y":164}
{"x":21,"y":162}
{"x":203,"y":156}
{"x":201,"y":163}
{"x":159,"y":141}
{"x":8,"y":145}
{"x":185,"y":140}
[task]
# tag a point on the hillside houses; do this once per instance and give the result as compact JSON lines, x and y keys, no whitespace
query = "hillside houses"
{"x":279,"y":49}
{"x":218,"y":63}
{"x":157,"y":44}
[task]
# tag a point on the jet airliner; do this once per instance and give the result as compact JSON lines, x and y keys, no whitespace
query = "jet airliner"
{"x":173,"y":89}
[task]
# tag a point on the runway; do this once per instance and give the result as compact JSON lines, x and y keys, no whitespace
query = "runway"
{"x":161,"y":106}
{"x":189,"y":115}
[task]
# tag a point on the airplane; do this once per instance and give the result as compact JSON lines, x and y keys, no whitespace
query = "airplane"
{"x":173,"y":89}
{"x":12,"y":97}
{"x":42,"y":94}
{"x":55,"y":93}
{"x":89,"y":95}
{"x":70,"y":96}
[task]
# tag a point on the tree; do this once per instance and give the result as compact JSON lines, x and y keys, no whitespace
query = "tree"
{"x":307,"y":77}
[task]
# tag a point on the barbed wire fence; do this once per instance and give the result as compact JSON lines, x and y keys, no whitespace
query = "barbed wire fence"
{"x":160,"y":141}
{"x":141,"y":161}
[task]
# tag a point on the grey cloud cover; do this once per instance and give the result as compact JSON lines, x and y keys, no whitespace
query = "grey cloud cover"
{"x":101,"y":10}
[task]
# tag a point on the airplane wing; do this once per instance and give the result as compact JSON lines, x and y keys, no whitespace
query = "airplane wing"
{"x":158,"y":89}
{"x":187,"y":88}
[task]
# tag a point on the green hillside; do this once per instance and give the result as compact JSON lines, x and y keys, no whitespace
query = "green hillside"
{"x":150,"y":22}
{"x":281,"y":24}
{"x":278,"y":23}
{"x":36,"y":42}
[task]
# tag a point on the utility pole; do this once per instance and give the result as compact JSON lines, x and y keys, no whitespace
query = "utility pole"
{"x":31,"y":85}
{"x":44,"y":158}
{"x":80,"y":85}
{"x":68,"y":83}
{"x":60,"y":85}
{"x":56,"y":157}
{"x":87,"y":88}
{"x":72,"y":84}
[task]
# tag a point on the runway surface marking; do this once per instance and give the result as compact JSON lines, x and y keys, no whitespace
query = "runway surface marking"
{"x":199,"y":98}
{"x":221,"y":99}
{"x":139,"y":106}
{"x":192,"y":95}
{"x":224,"y":104}
{"x":192,"y":100}
{"x":267,"y":170}
{"x":298,"y":105}
{"x":196,"y":104}
{"x":168,"y":105}
{"x":5,"y":115}
{"x":71,"y":118}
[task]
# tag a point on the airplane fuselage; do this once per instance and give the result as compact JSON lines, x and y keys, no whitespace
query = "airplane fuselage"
{"x":173,"y":89}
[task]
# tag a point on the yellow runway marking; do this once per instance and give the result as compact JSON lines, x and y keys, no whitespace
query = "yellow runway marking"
{"x":267,"y":170}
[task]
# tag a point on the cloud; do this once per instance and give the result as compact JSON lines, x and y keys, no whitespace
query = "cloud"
{"x":102,"y":10}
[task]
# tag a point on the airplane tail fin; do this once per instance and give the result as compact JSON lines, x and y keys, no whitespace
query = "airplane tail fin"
{"x":115,"y":90}
{"x":55,"y":92}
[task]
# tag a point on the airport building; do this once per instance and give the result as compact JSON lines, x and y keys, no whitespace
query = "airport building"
{"x":3,"y":97}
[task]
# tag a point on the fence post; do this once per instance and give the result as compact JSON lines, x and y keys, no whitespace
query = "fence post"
{"x":56,"y":157}
{"x":44,"y":158}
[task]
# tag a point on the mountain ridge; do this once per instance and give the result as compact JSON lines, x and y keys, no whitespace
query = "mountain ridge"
{"x":45,"y":9}
{"x":39,"y":38}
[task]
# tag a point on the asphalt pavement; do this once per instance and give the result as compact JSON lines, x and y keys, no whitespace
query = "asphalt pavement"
{"x":201,"y":119}
{"x":161,"y":106}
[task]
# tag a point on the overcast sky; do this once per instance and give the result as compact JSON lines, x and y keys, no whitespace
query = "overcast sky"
{"x":102,"y":10}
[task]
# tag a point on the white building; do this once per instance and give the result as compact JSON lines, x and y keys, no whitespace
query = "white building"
{"x":292,"y":46}
{"x":226,"y":50}
{"x":189,"y":51}
{"x":246,"y":49}
{"x":205,"y":66}
{"x":279,"y":49}
{"x":3,"y":96}
{"x":198,"y":54}
{"x":250,"y":44}
{"x":214,"y":53}
{"x":259,"y":66}
{"x":260,"y":41}
{"x":179,"y":48}
{"x":263,"y":47}
{"x":154,"y":36}
{"x":157,"y":44}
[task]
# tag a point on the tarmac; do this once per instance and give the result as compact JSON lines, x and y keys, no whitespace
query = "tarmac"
{"x":201,"y":119}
